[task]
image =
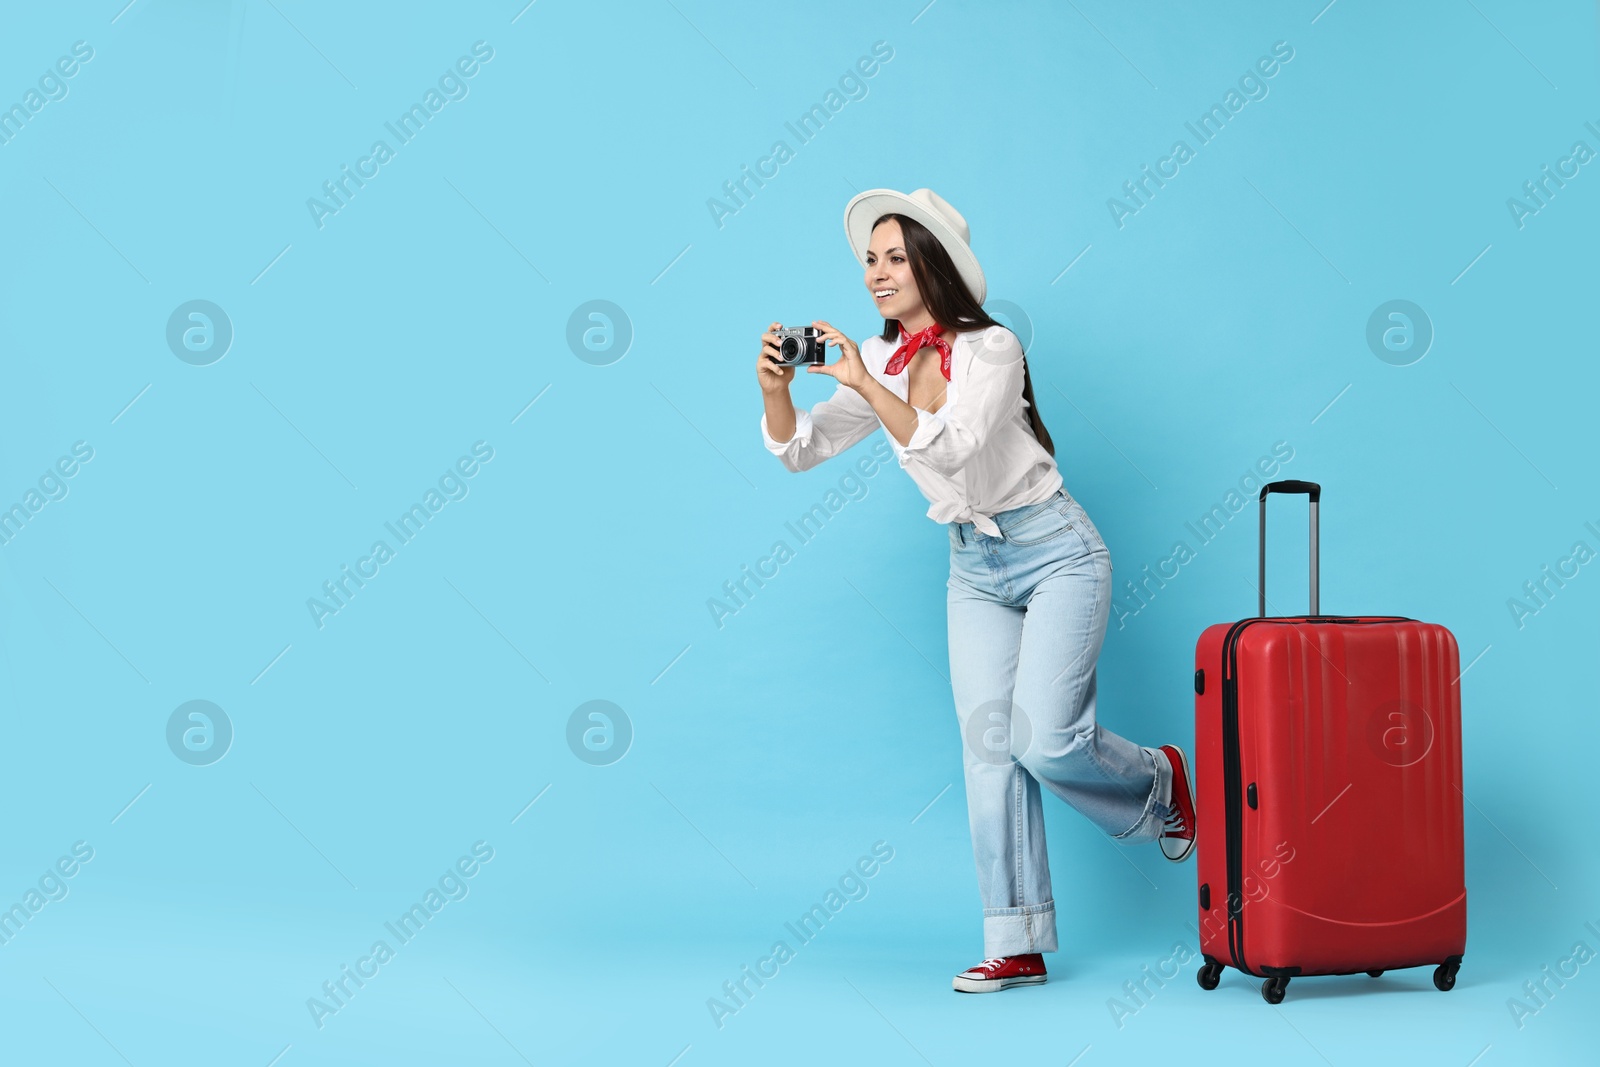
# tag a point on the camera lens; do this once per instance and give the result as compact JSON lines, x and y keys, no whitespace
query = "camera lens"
{"x":790,"y":349}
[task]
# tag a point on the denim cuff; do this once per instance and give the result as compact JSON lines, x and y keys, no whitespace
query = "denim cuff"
{"x":1016,"y":931}
{"x":1150,"y":822}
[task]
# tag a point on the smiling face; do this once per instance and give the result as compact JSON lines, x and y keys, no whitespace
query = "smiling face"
{"x":889,"y":280}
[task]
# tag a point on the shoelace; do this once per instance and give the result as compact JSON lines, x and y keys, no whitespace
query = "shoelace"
{"x":1175,"y":824}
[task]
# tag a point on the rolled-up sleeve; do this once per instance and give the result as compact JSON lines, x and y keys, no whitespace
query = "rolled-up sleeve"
{"x":824,"y":431}
{"x":991,"y":392}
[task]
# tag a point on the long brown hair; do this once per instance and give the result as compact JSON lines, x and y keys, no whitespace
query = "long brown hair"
{"x":951,"y":303}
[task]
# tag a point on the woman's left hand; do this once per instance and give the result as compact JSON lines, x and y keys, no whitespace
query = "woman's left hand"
{"x":849,"y":368}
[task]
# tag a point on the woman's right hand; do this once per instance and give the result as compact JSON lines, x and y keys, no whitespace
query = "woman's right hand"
{"x":773,"y":375}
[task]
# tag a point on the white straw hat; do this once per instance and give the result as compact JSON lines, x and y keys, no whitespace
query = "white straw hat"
{"x":928,"y":208}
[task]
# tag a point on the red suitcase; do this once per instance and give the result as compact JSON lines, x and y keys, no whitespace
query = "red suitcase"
{"x":1328,"y":792}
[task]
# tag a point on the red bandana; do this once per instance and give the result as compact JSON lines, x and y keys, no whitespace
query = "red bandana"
{"x":911,"y":344}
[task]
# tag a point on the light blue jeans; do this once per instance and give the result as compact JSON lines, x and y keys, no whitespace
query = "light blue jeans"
{"x":1027,"y":615}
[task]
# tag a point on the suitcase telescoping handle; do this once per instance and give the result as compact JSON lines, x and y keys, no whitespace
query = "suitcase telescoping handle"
{"x":1314,"y":491}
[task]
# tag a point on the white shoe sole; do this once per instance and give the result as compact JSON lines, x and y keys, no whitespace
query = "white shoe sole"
{"x":991,"y":985}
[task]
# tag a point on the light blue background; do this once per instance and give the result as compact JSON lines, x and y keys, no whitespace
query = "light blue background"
{"x":768,"y":754}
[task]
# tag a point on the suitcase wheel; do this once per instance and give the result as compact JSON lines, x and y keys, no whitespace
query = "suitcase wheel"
{"x":1444,"y":976}
{"x":1208,"y":974}
{"x":1374,"y":974}
{"x":1273,"y":989}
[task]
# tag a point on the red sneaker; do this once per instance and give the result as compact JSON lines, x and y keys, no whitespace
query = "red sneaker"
{"x":1001,"y":971}
{"x":1177,"y":839}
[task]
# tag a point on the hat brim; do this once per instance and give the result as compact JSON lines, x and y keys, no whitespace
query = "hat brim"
{"x":866,"y":208}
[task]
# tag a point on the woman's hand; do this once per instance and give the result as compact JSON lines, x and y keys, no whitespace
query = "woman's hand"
{"x":849,"y":368}
{"x":773,"y":375}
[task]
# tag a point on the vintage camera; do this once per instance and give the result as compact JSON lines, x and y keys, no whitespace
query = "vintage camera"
{"x":799,"y":345}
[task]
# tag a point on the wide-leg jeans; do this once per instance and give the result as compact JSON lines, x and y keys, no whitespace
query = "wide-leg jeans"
{"x":1027,"y":616}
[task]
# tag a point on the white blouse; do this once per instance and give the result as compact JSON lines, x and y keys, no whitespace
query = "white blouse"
{"x":974,"y":457}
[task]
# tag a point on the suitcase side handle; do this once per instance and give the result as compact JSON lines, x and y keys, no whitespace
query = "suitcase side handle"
{"x":1310,"y":489}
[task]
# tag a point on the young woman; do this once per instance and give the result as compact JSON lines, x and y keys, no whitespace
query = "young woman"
{"x":1030,"y":578}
